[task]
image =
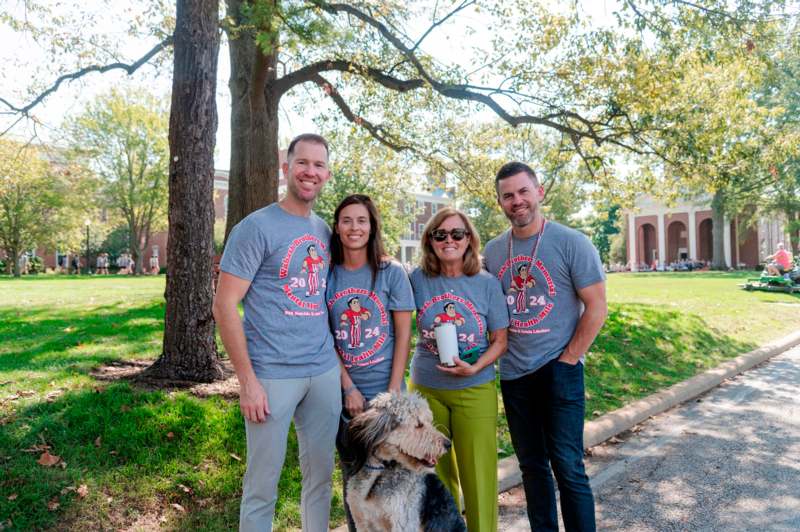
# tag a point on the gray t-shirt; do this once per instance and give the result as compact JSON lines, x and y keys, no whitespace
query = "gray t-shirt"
{"x":542,"y":300}
{"x":474,"y":304}
{"x":285,"y":257}
{"x":362,"y":324}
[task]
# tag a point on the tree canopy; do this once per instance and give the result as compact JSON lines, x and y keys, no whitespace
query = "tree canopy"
{"x":122,"y":137}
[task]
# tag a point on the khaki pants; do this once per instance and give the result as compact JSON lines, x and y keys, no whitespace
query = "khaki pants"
{"x":315,"y":404}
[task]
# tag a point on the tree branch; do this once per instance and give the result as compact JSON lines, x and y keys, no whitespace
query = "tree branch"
{"x":129,"y":68}
{"x":559,"y":120}
{"x":377,"y":132}
{"x":310,"y":73}
{"x":436,"y":23}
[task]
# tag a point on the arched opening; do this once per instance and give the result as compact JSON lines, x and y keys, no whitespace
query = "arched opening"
{"x":648,"y":246}
{"x":705,"y":239}
{"x":677,"y":242}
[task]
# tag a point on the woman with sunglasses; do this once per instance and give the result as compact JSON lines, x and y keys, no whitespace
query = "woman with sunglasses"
{"x":369,"y":307}
{"x":450,"y":288}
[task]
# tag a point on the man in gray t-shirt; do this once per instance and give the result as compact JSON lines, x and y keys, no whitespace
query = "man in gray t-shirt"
{"x":555,"y":293}
{"x":276,"y":262}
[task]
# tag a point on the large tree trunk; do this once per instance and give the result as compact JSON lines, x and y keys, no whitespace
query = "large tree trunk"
{"x":14,"y":258}
{"x":718,"y":230}
{"x":190,"y":350}
{"x":242,"y":47}
{"x":254,"y":165}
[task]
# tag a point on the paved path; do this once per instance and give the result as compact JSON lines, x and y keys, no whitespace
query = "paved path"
{"x":729,"y":460}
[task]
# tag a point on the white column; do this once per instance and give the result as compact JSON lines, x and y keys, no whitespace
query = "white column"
{"x":632,"y":242}
{"x":662,"y":240}
{"x":692,"y":235}
{"x":726,"y":240}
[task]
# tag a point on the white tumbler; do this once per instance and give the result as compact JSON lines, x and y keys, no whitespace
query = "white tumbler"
{"x":447,"y":343}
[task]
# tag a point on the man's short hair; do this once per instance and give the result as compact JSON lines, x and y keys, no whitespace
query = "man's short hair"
{"x":307,"y":137}
{"x":514,"y":168}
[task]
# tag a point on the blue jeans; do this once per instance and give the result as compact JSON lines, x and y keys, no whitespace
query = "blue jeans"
{"x":545,"y":416}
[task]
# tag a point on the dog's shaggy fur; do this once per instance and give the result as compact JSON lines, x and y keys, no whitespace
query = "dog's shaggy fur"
{"x":393,"y":486}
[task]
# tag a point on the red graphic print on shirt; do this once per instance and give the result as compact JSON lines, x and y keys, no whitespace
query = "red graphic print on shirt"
{"x":520,"y":284}
{"x":523,"y":294}
{"x":449,"y":314}
{"x":358,"y":337}
{"x":307,"y":282}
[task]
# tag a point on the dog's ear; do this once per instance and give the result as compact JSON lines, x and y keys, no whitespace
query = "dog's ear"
{"x":371,"y":427}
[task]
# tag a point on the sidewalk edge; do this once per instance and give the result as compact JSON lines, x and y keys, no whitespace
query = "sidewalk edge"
{"x":622,"y":419}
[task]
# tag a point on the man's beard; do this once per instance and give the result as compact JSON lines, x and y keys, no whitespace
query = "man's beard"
{"x":522,"y":222}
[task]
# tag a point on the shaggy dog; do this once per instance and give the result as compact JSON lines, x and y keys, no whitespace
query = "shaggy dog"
{"x":393,"y":486}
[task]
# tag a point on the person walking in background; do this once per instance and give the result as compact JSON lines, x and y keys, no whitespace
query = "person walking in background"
{"x":154,"y":266}
{"x":450,"y":289}
{"x":283,"y":354}
{"x":541,"y":375}
{"x":370,"y":304}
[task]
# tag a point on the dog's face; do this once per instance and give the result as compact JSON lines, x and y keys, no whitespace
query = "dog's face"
{"x":399,"y":427}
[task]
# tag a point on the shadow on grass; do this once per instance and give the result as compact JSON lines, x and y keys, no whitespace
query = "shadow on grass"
{"x":139,"y":454}
{"x":46,"y":339}
{"x":643,"y":348}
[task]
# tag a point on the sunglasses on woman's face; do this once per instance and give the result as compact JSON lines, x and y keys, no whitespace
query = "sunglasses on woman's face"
{"x":457,"y":234}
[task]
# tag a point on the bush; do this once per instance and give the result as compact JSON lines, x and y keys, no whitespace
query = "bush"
{"x":35,"y":265}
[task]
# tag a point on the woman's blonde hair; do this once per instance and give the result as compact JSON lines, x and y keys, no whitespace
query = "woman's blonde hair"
{"x":429,"y":262}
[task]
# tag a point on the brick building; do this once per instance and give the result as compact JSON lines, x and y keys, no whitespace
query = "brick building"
{"x":659,"y":235}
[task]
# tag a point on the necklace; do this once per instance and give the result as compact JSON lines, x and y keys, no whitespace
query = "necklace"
{"x":534,"y":251}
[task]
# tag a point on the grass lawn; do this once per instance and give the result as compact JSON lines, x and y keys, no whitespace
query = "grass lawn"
{"x":168,"y":459}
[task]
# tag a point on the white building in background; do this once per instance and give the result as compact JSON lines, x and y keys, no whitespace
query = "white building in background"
{"x":658,"y":235}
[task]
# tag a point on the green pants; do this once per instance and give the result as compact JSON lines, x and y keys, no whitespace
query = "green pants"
{"x":469,"y":418}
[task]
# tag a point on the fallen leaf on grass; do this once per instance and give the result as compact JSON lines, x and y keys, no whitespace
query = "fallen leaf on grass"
{"x":124,"y":408}
{"x":235,"y":457}
{"x":112,"y":452}
{"x":51,"y":397}
{"x":48,"y":460}
{"x":178,"y":507}
{"x":36,"y":448}
{"x":12,"y":497}
{"x":83,"y":491}
{"x":186,"y":489}
{"x":26,"y":393}
{"x":67,"y":490}
{"x":53,"y":505}
{"x":62,"y":465}
{"x":98,"y":441}
{"x":170,"y":435}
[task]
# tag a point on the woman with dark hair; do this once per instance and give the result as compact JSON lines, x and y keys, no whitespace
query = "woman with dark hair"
{"x":369,"y":303}
{"x":451,"y":291}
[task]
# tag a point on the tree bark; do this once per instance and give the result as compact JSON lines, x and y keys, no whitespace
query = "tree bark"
{"x":254,"y":165}
{"x":14,"y":258}
{"x":718,"y":230}
{"x":242,"y":48}
{"x":189,"y":348}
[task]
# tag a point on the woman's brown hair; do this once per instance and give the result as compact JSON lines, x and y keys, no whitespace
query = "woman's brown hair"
{"x":429,"y":262}
{"x":376,"y":253}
